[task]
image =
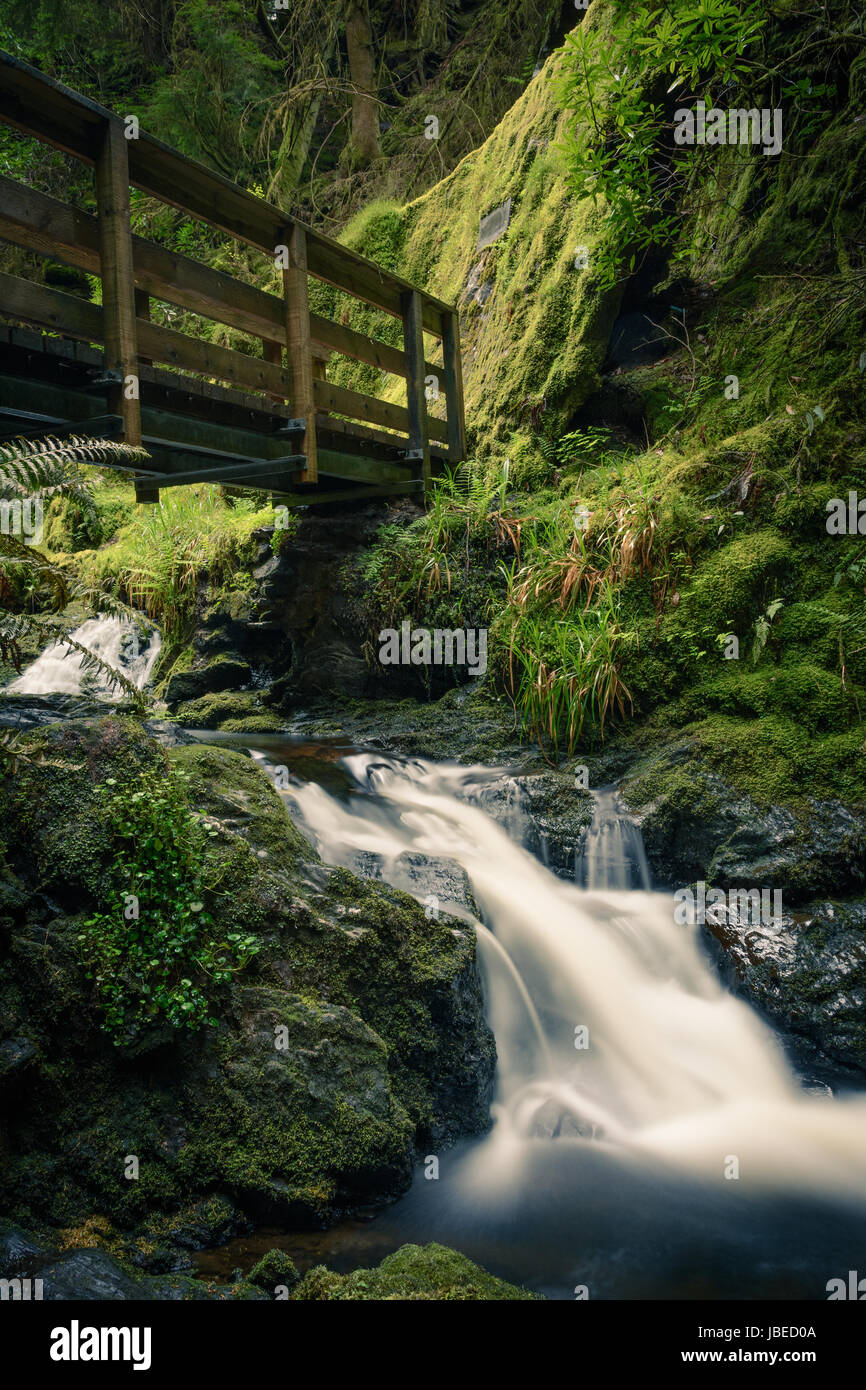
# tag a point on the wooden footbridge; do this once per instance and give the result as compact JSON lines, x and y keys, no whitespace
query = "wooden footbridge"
{"x":267,"y":417}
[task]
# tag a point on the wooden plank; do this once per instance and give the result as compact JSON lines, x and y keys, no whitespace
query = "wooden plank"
{"x":416,"y":400}
{"x":45,"y":108}
{"x":253,"y":469}
{"x":66,"y":313}
{"x":272,"y":352}
{"x":360,"y":407}
{"x":362,"y":434}
{"x":142,"y":311}
{"x":298,"y":344}
{"x":453,"y":383}
{"x":77,"y":318}
{"x":209,"y":359}
{"x":118,"y":287}
{"x":352,"y":494}
{"x":51,"y":228}
{"x":355,"y":467}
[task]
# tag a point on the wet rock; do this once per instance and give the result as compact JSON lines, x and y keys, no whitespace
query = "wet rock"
{"x":19,"y":1251}
{"x":696,"y":826}
{"x":440,"y":885}
{"x":15,"y":1053}
{"x":227,"y":673}
{"x":545,"y":811}
{"x":807,"y":970}
{"x":33,"y":711}
{"x":89,"y":1275}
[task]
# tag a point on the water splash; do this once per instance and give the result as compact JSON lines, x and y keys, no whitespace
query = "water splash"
{"x":675,"y":1072}
{"x":60,"y":669}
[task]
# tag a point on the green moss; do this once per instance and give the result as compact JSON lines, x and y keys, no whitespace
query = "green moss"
{"x":774,"y":760}
{"x":230,"y":786}
{"x":274,"y":1269}
{"x":384,"y":1045}
{"x":416,"y":1272}
{"x":235,"y":710}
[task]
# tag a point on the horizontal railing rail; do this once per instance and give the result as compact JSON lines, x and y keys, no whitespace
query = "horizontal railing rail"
{"x":134,"y":271}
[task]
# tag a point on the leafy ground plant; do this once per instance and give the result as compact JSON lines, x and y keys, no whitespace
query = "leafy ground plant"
{"x":153,"y":950}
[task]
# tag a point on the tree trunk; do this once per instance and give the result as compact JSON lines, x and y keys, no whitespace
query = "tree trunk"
{"x":364,"y":144}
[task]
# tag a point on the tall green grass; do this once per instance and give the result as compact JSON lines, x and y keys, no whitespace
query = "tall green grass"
{"x":155,"y":561}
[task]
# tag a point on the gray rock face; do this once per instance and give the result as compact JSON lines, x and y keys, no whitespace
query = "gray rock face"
{"x":721,"y":835}
{"x":293,"y":629}
{"x":19,"y":1252}
{"x":90,"y":1275}
{"x":807,"y":971}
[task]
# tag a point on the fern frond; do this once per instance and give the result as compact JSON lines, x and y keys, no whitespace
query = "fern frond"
{"x":14,"y":627}
{"x":15,"y":552}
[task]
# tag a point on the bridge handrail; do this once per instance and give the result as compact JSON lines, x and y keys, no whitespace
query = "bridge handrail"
{"x":132,"y":269}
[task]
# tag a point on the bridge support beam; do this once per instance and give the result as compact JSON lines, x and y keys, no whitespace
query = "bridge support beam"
{"x":453,"y":387}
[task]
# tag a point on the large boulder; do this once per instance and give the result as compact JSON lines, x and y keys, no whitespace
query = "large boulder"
{"x":355,"y":1034}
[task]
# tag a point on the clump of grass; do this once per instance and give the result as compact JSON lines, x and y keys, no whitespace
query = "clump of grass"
{"x":156,"y":559}
{"x":563,"y":674}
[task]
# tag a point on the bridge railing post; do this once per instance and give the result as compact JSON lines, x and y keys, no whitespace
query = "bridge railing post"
{"x":118,"y":288}
{"x":453,"y":387}
{"x":416,"y":398}
{"x":299,"y":347}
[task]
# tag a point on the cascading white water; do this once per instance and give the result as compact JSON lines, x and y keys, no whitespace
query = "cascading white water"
{"x":60,"y":669}
{"x":674,"y":1072}
{"x":614,"y":854}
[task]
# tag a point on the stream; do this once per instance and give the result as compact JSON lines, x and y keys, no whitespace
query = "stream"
{"x":649,"y":1136}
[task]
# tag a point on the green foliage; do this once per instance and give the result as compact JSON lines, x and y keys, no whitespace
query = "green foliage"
{"x":627,"y":73}
{"x":160,"y":554}
{"x":41,"y":473}
{"x":762,"y":628}
{"x":151,"y":951}
{"x":564,"y":673}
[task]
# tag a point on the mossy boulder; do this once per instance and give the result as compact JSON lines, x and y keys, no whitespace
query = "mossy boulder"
{"x":415,"y":1272}
{"x":354,"y":1034}
{"x":274,"y":1271}
{"x":429,"y":1273}
{"x":223,"y":673}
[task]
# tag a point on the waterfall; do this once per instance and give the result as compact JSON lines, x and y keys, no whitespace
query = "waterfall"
{"x":60,"y":668}
{"x":614,"y":855}
{"x":612,"y":1029}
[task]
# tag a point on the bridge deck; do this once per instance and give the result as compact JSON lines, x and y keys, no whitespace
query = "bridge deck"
{"x":196,"y":431}
{"x":278,"y":424}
